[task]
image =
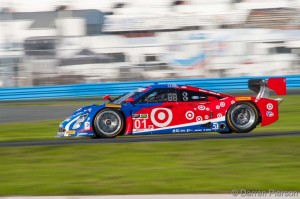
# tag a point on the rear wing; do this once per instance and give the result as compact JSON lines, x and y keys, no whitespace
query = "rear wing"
{"x":262,"y":87}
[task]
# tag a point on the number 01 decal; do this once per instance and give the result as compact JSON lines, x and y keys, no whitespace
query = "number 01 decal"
{"x":138,"y":124}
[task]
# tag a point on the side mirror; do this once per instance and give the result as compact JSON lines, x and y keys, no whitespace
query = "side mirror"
{"x":130,"y":99}
{"x":107,"y":97}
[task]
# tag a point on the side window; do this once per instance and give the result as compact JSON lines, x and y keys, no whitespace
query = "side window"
{"x":191,"y":96}
{"x":159,"y":95}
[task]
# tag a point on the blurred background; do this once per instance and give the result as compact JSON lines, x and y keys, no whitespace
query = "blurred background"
{"x":83,"y":49}
{"x":55,"y":42}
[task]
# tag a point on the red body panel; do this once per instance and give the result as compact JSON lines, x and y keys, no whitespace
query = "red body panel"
{"x":278,"y":85}
{"x":177,"y":114}
{"x":268,"y":109}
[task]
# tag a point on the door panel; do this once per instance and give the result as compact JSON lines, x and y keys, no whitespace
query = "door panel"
{"x":156,"y":111}
{"x":153,"y":117}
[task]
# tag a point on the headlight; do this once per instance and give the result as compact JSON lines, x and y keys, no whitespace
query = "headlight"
{"x":79,"y":121}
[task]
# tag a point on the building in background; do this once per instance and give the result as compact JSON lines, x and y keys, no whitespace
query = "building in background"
{"x":66,"y":42}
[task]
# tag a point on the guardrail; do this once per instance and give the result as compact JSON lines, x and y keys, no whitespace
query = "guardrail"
{"x":117,"y":88}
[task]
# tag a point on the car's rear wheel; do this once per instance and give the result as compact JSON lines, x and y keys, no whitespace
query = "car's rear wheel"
{"x":242,"y":117}
{"x":109,"y":123}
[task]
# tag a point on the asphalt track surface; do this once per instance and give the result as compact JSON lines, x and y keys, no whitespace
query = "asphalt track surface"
{"x":34,"y":113}
{"x":152,"y":138}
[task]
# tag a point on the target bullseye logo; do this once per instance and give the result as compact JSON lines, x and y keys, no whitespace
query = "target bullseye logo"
{"x":219,"y":115}
{"x":161,"y":117}
{"x":198,"y":118}
{"x":222,"y":104}
{"x":217,"y":107}
{"x":189,"y":115}
{"x":269,"y":106}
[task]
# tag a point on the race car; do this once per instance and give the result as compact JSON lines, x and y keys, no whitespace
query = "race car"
{"x":170,"y":108}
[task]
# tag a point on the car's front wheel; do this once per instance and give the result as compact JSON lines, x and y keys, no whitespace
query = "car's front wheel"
{"x":242,"y":117}
{"x":109,"y":123}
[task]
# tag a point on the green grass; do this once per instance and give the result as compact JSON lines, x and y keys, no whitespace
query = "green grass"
{"x":25,"y":131}
{"x":289,"y":116}
{"x":288,"y":121}
{"x":203,"y":166}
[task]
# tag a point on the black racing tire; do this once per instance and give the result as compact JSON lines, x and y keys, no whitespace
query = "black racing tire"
{"x":109,"y":123}
{"x":242,"y":117}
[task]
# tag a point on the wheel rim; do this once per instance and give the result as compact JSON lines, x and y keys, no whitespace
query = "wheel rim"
{"x":109,"y":122}
{"x":243,"y":116}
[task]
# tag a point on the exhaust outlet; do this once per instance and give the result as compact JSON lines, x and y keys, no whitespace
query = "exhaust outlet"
{"x":222,"y":126}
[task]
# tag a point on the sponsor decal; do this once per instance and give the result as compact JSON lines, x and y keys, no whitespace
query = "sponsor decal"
{"x":161,"y":117}
{"x":113,"y":105}
{"x":208,"y":109}
{"x":70,"y":132}
{"x":215,"y":126}
{"x":142,"y":116}
{"x":206,"y":117}
{"x":269,"y":106}
{"x":269,"y":114}
{"x":141,"y":89}
{"x":210,"y":92}
{"x":81,"y":134}
{"x":219,"y":115}
{"x":172,"y":85}
{"x":214,"y":93}
{"x":198,"y":130}
{"x":201,"y":107}
{"x":189,"y":115}
{"x":176,"y":131}
{"x":150,"y":127}
{"x":135,"y":115}
{"x":217,"y":107}
{"x":87,"y":126}
{"x":222,"y":104}
{"x":242,"y":98}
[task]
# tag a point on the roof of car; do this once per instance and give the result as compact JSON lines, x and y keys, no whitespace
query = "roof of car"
{"x":192,"y":88}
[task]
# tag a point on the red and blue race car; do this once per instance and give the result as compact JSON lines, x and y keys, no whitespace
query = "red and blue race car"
{"x":170,"y":108}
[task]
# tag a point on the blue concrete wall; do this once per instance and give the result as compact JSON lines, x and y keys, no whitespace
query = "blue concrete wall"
{"x":117,"y":88}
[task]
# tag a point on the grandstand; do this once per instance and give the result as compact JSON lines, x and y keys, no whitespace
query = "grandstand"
{"x":69,"y":41}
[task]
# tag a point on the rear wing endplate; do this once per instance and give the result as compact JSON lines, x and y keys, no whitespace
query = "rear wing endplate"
{"x":262,"y":87}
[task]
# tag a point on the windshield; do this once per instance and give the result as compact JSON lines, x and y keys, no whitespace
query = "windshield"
{"x":122,"y":98}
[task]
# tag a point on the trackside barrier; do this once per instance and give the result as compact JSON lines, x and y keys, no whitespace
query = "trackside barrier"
{"x":117,"y":88}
